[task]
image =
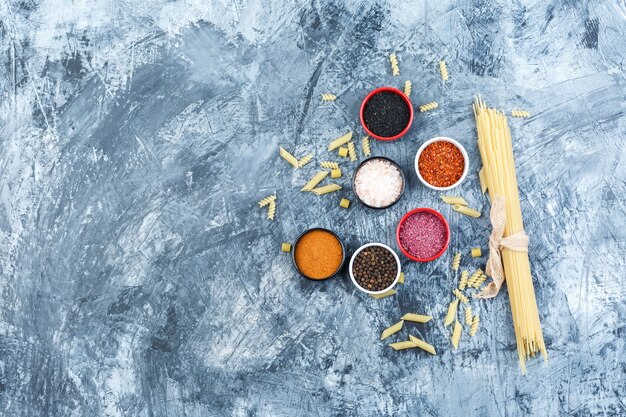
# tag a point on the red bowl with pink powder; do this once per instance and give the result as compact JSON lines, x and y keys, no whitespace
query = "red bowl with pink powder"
{"x":423,"y":234}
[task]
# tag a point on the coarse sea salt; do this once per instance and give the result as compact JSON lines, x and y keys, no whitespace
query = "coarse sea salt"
{"x":378,"y":183}
{"x":423,"y":235}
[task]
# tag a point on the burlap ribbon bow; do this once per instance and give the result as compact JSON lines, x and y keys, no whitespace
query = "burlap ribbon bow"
{"x":517,"y":242}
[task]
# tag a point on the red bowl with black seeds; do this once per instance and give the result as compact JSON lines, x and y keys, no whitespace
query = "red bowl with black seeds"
{"x":423,"y":234}
{"x":386,"y":114}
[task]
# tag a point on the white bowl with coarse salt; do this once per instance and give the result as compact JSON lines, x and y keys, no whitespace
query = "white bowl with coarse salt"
{"x":448,"y":162}
{"x":378,"y":182}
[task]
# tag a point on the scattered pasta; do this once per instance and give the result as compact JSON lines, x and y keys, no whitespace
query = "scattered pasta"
{"x":520,"y":113}
{"x":329,"y":165}
{"x":407,"y":88}
{"x":343,"y":152}
{"x":466,"y":210}
{"x":329,"y":97}
{"x":428,"y":106}
{"x":476,"y":253}
{"x":443,"y":68}
{"x":395,"y":69}
{"x":460,"y":296}
{"x":422,"y":345}
{"x":325,"y":189}
{"x":406,"y":344}
{"x":401,"y":278}
{"x":383,"y":295}
{"x":351,"y":151}
{"x":264,"y":202}
{"x":304,"y":160}
{"x":468,"y":315}
{"x":480,"y":281}
{"x":271,"y":211}
{"x":345,"y":203}
{"x":417,"y":318}
{"x":341,"y":140}
{"x":285,"y":247}
{"x":448,"y":199}
{"x":454,"y":305}
{"x":482,"y":180}
{"x":472,"y":280}
{"x":474,"y":328}
{"x":317,"y":178}
{"x":335,"y":173}
{"x":456,"y":261}
{"x":365,"y":145}
{"x":288,"y":157}
{"x":456,"y":334}
{"x":392,"y":330}
{"x":463,"y":282}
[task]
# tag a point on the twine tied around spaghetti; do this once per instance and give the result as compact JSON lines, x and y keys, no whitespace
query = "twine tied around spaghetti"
{"x":517,"y":242}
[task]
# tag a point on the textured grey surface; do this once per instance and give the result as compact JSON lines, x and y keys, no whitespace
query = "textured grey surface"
{"x":138,"y":278}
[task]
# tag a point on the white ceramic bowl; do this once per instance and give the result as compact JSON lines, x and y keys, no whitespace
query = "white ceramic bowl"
{"x":444,"y":139}
{"x":395,"y":281}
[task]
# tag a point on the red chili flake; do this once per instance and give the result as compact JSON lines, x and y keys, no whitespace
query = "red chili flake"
{"x":441,"y":164}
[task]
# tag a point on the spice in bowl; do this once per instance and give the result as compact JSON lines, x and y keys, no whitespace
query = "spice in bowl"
{"x":441,"y":164}
{"x":374,"y":268}
{"x":378,"y":182}
{"x":386,"y":113}
{"x":318,"y":254}
{"x":423,"y":235}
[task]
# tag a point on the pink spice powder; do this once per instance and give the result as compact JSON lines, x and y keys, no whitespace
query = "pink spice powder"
{"x":423,"y":235}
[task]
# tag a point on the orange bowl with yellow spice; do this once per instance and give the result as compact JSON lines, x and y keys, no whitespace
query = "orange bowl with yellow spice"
{"x":318,"y":254}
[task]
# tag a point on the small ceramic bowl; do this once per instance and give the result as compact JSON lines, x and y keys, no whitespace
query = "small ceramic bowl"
{"x":395,"y":281}
{"x":423,"y":210}
{"x":393,"y":163}
{"x":442,"y":139}
{"x":295,"y":245}
{"x":406,"y":100}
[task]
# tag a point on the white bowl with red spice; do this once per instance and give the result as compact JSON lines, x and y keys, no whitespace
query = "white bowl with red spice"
{"x":441,"y":163}
{"x":423,"y":234}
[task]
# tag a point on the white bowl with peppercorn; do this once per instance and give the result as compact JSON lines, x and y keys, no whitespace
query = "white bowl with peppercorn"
{"x":441,"y":163}
{"x":374,"y":268}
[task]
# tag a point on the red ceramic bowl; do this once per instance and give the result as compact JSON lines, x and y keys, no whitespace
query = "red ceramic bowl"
{"x":423,"y":210}
{"x":406,"y":100}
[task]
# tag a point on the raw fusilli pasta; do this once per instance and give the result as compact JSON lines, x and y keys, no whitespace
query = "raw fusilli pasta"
{"x":264,"y":202}
{"x":460,"y":296}
{"x":304,"y":160}
{"x":271,"y":210}
{"x":463,"y":282}
{"x":472,"y":280}
{"x":407,"y":88}
{"x":456,"y":261}
{"x":329,"y":97}
{"x":329,"y":165}
{"x":351,"y":151}
{"x":520,"y":113}
{"x":474,"y":328}
{"x":393,"y":60}
{"x":428,"y":106}
{"x":443,"y":68}
{"x":365,"y":144}
{"x":480,"y":280}
{"x":468,"y":315}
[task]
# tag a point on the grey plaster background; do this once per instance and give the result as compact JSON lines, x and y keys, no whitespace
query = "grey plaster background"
{"x":137,"y":277}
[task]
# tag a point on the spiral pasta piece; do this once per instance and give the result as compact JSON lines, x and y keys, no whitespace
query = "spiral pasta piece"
{"x":271,"y":210}
{"x":395,"y":69}
{"x":474,"y":328}
{"x":479,"y":281}
{"x":463,"y":282}
{"x":460,"y":296}
{"x":428,"y":106}
{"x":475,"y":276}
{"x":304,"y":160}
{"x":329,"y":97}
{"x":407,"y":88}
{"x":443,"y":68}
{"x":456,"y":261}
{"x":351,"y":151}
{"x":264,"y":202}
{"x":365,"y":145}
{"x":520,"y":113}
{"x":468,"y":315}
{"x":329,"y":165}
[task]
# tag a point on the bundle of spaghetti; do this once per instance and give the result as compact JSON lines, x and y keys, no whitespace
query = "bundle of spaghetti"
{"x":496,"y":152}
